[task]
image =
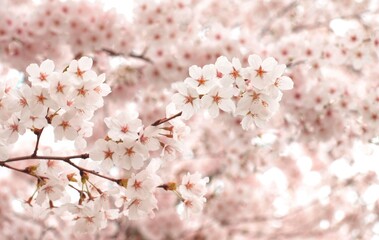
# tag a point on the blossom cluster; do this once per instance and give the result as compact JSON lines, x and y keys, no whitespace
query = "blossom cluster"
{"x":65,"y":99}
{"x":214,"y":87}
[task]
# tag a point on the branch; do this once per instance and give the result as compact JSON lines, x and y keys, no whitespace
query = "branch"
{"x":132,"y":55}
{"x":38,"y":132}
{"x":26,"y":170}
{"x":163,"y":120}
{"x":267,"y":26}
{"x":66,"y":159}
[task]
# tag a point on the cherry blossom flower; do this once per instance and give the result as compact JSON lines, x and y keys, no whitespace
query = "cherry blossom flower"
{"x":186,"y":100}
{"x":39,"y":75}
{"x":141,"y":207}
{"x":107,"y":152}
{"x":201,"y":79}
{"x":133,"y":154}
{"x":261,"y":71}
{"x":12,"y":129}
{"x":41,"y":100}
{"x":232,"y":72}
{"x":60,"y":87}
{"x":125,"y":125}
{"x":34,"y":119}
{"x":51,"y":190}
{"x":64,"y":126}
{"x":193,"y":184}
{"x":218,"y":98}
{"x":149,"y":138}
{"x":255,"y":113}
{"x":80,"y":67}
{"x":85,"y":93}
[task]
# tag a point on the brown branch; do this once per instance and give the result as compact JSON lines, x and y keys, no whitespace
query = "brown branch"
{"x":26,"y":171}
{"x":66,"y":159}
{"x":163,"y":120}
{"x":38,"y":132}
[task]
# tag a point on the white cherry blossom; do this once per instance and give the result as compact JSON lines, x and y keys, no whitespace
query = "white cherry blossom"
{"x":232,"y":72}
{"x":193,"y":184}
{"x":202,"y":79}
{"x":132,"y":154}
{"x":39,"y":75}
{"x":81,"y":66}
{"x":125,"y":125}
{"x":12,"y":129}
{"x":52,"y":190}
{"x":218,"y":98}
{"x":260,"y":71}
{"x":107,"y":152}
{"x":186,"y":100}
{"x":64,"y":126}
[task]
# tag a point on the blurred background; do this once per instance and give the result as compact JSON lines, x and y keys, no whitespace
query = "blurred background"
{"x":312,"y":173}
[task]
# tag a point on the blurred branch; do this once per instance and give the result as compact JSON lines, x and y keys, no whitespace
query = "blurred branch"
{"x":132,"y":55}
{"x":267,"y":26}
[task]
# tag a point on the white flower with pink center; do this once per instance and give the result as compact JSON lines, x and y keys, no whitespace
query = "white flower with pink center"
{"x":186,"y":100}
{"x":218,"y":98}
{"x":65,"y":126}
{"x":79,"y":67}
{"x":107,"y":152}
{"x":38,"y":75}
{"x":12,"y":129}
{"x":52,"y":190}
{"x":132,"y":155}
{"x":260,"y":71}
{"x":193,"y":184}
{"x":125,"y":125}
{"x":202,"y":79}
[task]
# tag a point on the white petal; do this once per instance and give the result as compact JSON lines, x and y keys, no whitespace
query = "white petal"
{"x":227,"y":105}
{"x":213,"y":110}
{"x":187,"y":112}
{"x":195,"y":71}
{"x":90,"y":76}
{"x":47,"y":66}
{"x":254,"y":61}
{"x":181,"y":88}
{"x":246,"y":122}
{"x":260,"y":83}
{"x":260,"y":123}
{"x":206,"y":101}
{"x":33,"y":70}
{"x":137,"y":162}
{"x":278,"y":71}
{"x":269,"y":63}
{"x":58,"y":133}
{"x":85,"y":63}
{"x":223,"y":65}
{"x":191,"y":82}
{"x":285,"y":83}
{"x":178,"y":99}
{"x":71,"y":133}
{"x":236,"y":63}
{"x":107,"y":164}
{"x":209,"y":71}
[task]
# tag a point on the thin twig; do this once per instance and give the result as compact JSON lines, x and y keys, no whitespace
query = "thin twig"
{"x":163,"y":120}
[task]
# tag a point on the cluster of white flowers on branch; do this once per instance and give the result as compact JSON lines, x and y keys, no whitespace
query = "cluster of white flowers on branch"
{"x":67,"y":101}
{"x":258,"y":89}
